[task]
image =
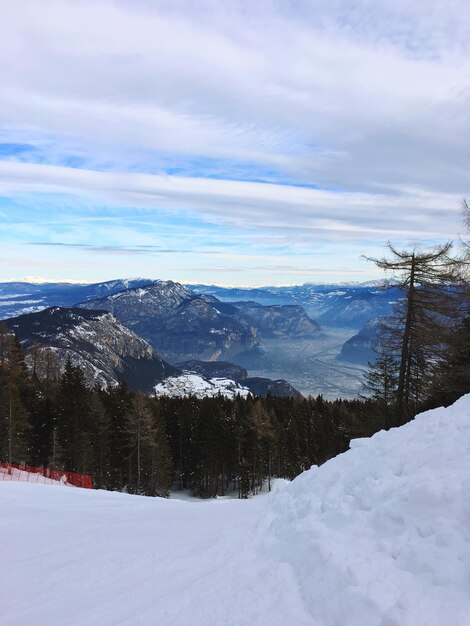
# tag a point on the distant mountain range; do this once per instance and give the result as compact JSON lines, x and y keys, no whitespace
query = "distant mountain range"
{"x":199,"y":324}
{"x":18,"y":298}
{"x":330,"y":305}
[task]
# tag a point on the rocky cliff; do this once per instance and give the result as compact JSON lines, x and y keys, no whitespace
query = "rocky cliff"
{"x":107,"y":351}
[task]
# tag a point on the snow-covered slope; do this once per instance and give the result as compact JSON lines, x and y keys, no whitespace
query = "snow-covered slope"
{"x":379,"y":536}
{"x":190,"y":384}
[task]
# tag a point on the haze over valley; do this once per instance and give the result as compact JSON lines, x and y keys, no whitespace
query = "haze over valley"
{"x":272,"y":333}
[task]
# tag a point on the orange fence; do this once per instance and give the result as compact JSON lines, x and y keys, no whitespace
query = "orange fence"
{"x":13,"y":471}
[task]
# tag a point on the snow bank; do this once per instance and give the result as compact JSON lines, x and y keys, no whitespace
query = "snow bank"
{"x":379,"y":536}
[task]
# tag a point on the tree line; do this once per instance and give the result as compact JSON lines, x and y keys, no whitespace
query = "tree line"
{"x":148,"y":445}
{"x":214,"y":446}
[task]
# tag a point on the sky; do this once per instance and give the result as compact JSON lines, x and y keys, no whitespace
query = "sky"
{"x":227,"y":141}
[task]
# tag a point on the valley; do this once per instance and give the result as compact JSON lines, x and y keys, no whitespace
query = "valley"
{"x":312,"y":366}
{"x":303,"y":337}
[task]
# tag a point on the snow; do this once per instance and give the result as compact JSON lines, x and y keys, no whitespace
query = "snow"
{"x":379,"y":536}
{"x":189,"y":384}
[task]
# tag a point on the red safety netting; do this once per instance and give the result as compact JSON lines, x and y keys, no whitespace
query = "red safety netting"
{"x":27,"y":473}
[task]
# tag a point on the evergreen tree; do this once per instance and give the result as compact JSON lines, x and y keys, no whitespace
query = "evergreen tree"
{"x":162,"y":462}
{"x":117,"y":402}
{"x":417,"y":331}
{"x":380,"y":382}
{"x":141,"y":431}
{"x":41,"y":403}
{"x":13,"y":393}
{"x":74,"y":419}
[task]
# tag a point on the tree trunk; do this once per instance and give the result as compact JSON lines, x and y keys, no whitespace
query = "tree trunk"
{"x":405,"y":348}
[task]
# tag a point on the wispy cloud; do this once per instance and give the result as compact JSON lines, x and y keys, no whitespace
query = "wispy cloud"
{"x":268,"y":126}
{"x":286,"y":211}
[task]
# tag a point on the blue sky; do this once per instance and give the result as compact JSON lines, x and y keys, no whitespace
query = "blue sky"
{"x":231,"y":142}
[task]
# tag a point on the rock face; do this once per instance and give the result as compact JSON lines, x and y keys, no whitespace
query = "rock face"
{"x":179,"y":323}
{"x":107,"y":351}
{"x":360,"y":348}
{"x":281,"y":320}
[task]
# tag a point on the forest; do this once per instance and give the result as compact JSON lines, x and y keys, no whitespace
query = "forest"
{"x":215,"y":446}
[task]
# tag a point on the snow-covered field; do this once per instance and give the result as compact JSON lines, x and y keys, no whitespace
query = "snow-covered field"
{"x":379,"y":536}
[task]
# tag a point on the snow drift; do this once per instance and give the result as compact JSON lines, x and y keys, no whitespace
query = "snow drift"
{"x":378,"y":536}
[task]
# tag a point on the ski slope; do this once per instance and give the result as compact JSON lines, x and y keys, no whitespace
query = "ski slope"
{"x":379,"y":536}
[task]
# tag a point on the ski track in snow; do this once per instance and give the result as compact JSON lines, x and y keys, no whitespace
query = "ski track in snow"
{"x":378,"y":536}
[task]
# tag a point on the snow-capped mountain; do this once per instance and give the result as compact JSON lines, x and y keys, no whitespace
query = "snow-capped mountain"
{"x":179,"y":323}
{"x":340,"y":305}
{"x":107,"y":351}
{"x":18,"y":298}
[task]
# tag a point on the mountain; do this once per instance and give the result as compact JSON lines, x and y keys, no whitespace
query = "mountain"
{"x":343,"y":305}
{"x":360,"y":348}
{"x":18,"y":298}
{"x":280,"y":320}
{"x":357,"y":307}
{"x":179,"y":323}
{"x":107,"y":351}
{"x":262,"y":295}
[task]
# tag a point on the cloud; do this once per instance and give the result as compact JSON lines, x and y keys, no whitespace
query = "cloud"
{"x":351,"y":95}
{"x":119,"y":250}
{"x":272,"y":130}
{"x":286,"y":213}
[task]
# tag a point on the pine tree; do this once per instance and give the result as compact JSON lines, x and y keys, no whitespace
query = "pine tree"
{"x":74,"y":418}
{"x":417,"y":330}
{"x":41,"y":403}
{"x":380,"y":382}
{"x":141,"y":431}
{"x":117,"y":402}
{"x":14,"y":382}
{"x":162,"y":463}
